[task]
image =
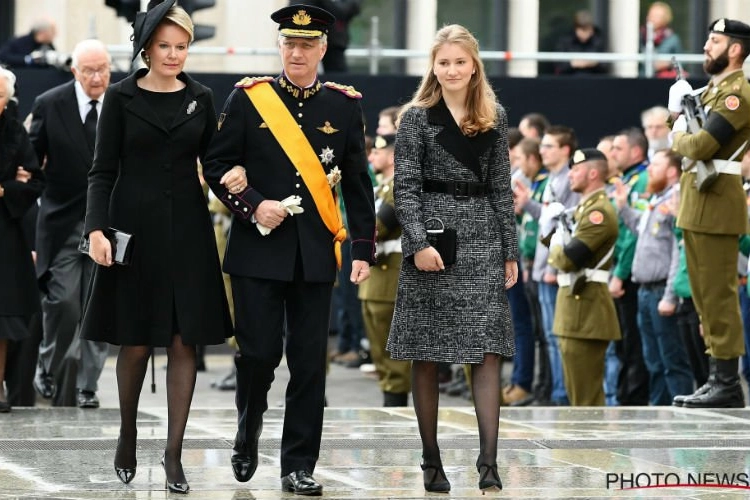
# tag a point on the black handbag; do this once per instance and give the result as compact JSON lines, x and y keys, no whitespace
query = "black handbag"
{"x":122,"y":245}
{"x":442,"y":239}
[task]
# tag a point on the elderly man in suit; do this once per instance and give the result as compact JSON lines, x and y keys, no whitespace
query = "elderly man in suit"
{"x":63,"y":131}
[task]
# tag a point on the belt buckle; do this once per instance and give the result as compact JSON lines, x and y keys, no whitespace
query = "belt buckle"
{"x":461,"y":191}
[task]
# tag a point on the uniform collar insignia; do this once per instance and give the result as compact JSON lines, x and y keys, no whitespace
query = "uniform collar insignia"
{"x":327,"y":128}
{"x":297,"y":92}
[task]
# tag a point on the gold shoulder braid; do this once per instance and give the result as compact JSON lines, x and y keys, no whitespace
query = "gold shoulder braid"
{"x":347,"y":90}
{"x":248,"y":81}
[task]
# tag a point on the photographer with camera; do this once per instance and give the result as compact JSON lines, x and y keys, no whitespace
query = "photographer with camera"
{"x":35,"y":49}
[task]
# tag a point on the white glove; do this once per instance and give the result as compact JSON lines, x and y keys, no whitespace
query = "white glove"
{"x":679,"y":125}
{"x":291,"y":204}
{"x":548,"y":218}
{"x":557,"y":239}
{"x":677,"y":91}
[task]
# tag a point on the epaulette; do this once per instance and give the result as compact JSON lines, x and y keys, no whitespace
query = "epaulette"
{"x":347,"y":90}
{"x":248,"y":81}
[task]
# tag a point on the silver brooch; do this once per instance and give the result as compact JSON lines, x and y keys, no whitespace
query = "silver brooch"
{"x":191,"y":107}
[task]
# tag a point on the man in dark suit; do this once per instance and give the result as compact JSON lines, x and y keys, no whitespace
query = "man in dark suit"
{"x":63,"y":129}
{"x":33,"y":49}
{"x":282,"y":267}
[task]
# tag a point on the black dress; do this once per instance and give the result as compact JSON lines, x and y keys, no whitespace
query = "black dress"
{"x":144,"y":181}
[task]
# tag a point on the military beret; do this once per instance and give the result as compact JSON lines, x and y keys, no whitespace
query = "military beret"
{"x":146,"y":22}
{"x":303,"y":21}
{"x":587,"y":154}
{"x":730,"y":27}
{"x":383,"y":141}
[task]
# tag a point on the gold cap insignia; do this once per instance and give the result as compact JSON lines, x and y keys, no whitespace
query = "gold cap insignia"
{"x":380,"y":143}
{"x":327,"y":128}
{"x":301,"y":18}
{"x":720,"y":25}
{"x":578,"y":156}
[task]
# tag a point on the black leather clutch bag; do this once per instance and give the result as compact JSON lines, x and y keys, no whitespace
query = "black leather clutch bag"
{"x":443,"y":239}
{"x":122,"y":245}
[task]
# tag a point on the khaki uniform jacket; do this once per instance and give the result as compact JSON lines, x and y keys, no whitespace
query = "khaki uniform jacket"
{"x":383,"y":281}
{"x":722,"y":208}
{"x":590,"y":315}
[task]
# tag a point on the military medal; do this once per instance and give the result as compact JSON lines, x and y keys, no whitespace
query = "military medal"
{"x":326,"y":155}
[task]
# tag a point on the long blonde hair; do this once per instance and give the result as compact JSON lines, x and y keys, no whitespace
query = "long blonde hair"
{"x":481,"y":103}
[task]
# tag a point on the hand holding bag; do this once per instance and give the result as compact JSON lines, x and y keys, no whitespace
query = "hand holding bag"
{"x":442,"y":239}
{"x":122,"y":245}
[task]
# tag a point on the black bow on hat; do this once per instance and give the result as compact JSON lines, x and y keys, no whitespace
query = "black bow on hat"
{"x":146,"y":22}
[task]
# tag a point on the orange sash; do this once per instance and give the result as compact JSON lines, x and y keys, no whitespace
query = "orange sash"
{"x":296,"y":146}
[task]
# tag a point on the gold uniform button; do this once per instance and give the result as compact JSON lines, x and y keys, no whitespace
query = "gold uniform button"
{"x":299,"y":114}
{"x":297,"y":174}
{"x":384,"y":267}
{"x":300,"y":104}
{"x":229,"y":197}
{"x":297,"y":186}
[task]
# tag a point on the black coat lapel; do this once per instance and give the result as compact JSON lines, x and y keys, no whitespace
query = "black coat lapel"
{"x":466,"y":150}
{"x":191,"y":106}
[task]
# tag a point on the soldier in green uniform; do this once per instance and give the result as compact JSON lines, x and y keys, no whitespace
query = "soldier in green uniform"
{"x":378,"y":294}
{"x":586,"y":320}
{"x":713,"y":219}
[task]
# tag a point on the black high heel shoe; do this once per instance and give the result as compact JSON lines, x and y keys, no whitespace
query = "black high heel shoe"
{"x":434,"y":478}
{"x":174,"y":487}
{"x":124,"y":474}
{"x":489,"y":479}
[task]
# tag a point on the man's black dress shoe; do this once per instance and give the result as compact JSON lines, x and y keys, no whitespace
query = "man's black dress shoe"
{"x":4,"y":407}
{"x":45,"y":385}
{"x":87,"y":399}
{"x":301,"y":482}
{"x":244,"y":465}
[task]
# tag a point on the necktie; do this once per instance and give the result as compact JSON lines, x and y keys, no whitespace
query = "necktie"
{"x":89,"y":124}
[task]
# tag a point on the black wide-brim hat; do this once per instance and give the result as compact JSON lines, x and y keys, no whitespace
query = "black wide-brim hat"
{"x":303,"y":21}
{"x":146,"y":22}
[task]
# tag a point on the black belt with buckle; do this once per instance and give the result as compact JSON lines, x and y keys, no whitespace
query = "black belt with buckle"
{"x":458,"y":189}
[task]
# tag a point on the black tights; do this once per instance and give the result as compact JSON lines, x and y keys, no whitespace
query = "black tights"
{"x":485,"y":383}
{"x":131,"y":370}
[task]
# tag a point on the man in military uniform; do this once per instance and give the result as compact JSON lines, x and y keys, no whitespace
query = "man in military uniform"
{"x":378,"y":294}
{"x":282,"y":146}
{"x":713,"y":219}
{"x":586,"y":320}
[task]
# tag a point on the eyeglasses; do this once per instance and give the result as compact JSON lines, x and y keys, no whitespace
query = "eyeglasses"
{"x":548,"y":146}
{"x":90,"y":72}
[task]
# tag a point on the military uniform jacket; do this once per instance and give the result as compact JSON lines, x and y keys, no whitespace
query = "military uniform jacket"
{"x":459,"y":314}
{"x":383,"y":281}
{"x":592,"y":314}
{"x":145,"y":182}
{"x":19,"y":295}
{"x":722,"y":208}
{"x":331,"y":119}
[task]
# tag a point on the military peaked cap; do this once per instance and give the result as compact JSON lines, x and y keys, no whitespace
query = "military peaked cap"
{"x":303,"y":21}
{"x":587,"y":154}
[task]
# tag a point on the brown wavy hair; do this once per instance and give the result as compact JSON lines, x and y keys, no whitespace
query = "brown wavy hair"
{"x":481,"y":103}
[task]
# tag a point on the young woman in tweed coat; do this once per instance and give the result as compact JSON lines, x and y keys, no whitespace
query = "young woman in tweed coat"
{"x":452,"y":172}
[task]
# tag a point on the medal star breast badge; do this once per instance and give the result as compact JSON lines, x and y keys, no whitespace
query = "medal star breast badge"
{"x":326,"y":155}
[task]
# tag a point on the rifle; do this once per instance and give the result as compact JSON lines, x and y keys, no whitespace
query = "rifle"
{"x":705,"y":171}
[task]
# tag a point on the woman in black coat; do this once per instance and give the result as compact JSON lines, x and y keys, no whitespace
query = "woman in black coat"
{"x":21,"y":183}
{"x":153,"y":127}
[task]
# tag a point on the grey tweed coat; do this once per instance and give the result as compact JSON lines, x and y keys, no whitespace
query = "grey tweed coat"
{"x":459,"y":314}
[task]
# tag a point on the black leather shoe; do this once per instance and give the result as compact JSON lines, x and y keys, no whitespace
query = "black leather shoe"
{"x":434,"y":478}
{"x":87,"y":399}
{"x":4,"y":407}
{"x":45,"y":385}
{"x":124,"y":474}
{"x":181,"y":488}
{"x":301,"y":482}
{"x":244,"y":465}
{"x":489,"y":479}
